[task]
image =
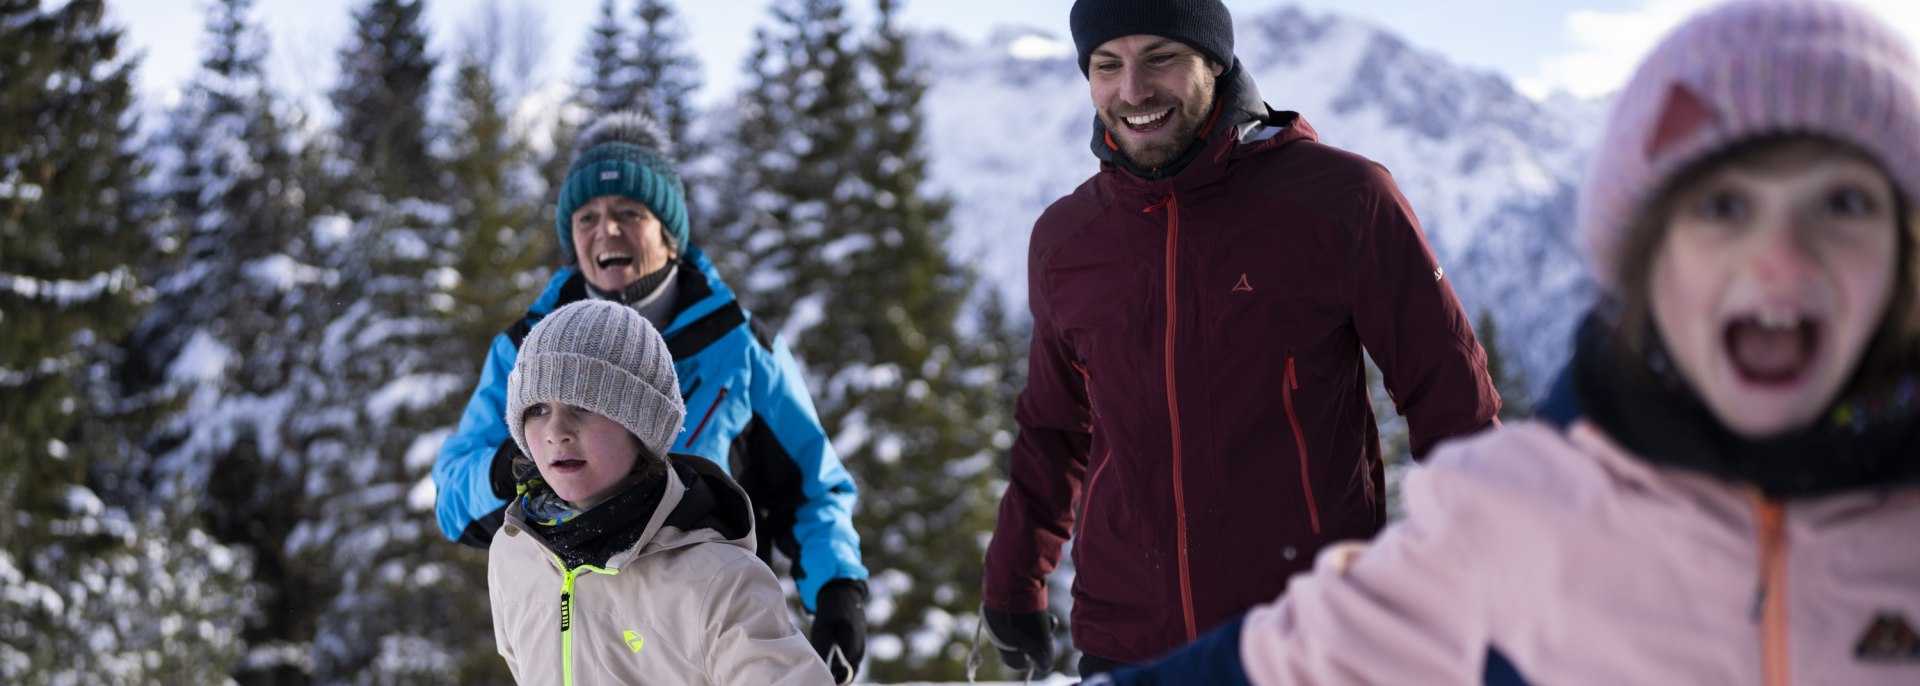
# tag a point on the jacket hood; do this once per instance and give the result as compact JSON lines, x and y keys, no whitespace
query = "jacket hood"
{"x":702,"y":505}
{"x":1237,"y":109}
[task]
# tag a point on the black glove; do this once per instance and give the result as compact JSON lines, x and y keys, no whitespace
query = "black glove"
{"x":840,"y":621}
{"x":1024,"y":639}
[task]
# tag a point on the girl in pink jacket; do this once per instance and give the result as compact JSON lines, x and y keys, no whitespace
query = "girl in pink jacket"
{"x":1735,"y":496}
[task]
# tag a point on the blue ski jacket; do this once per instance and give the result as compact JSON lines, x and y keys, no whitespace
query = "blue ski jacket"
{"x":747,"y":410}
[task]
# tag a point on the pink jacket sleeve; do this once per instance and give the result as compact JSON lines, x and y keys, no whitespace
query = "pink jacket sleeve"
{"x":1414,"y":608}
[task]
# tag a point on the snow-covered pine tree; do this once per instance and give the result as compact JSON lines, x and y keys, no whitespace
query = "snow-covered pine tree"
{"x":504,"y":244}
{"x":666,"y":75}
{"x":386,"y":74}
{"x":897,"y":368}
{"x":97,"y":591}
{"x":606,"y":85}
{"x":389,"y":600}
{"x":369,"y":592}
{"x":230,"y":174}
{"x":215,"y":340}
{"x":794,"y":170}
{"x":845,"y":250}
{"x":609,"y":84}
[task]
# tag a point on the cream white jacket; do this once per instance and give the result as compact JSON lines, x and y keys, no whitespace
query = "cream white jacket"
{"x":678,"y":607}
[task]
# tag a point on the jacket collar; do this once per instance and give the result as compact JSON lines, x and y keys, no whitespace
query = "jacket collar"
{"x":699,"y":504}
{"x":1654,"y":415}
{"x":700,"y":290}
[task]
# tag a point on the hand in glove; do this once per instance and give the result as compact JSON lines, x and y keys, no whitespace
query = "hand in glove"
{"x":1024,"y":639}
{"x":840,"y":621}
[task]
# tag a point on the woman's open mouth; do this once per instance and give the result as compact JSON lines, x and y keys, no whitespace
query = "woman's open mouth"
{"x":613,"y":260}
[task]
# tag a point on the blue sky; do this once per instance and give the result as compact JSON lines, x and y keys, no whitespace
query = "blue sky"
{"x":1586,"y":47}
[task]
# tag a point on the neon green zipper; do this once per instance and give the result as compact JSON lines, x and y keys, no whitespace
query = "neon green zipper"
{"x":566,"y":613}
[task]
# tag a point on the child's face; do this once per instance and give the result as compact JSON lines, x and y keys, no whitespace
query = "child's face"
{"x":582,"y":455}
{"x":1771,"y":281}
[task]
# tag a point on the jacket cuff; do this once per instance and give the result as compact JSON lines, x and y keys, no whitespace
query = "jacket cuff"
{"x":1013,"y":603}
{"x":1212,"y":659}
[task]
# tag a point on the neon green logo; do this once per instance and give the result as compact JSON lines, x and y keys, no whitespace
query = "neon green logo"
{"x":634,"y":640}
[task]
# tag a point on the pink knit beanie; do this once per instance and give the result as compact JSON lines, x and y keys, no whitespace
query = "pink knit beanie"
{"x":1741,"y":70}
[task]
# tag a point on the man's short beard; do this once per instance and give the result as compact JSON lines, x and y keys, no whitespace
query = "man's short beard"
{"x":1187,"y":119}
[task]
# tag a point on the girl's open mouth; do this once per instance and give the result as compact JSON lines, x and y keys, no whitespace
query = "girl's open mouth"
{"x":1772,"y":349}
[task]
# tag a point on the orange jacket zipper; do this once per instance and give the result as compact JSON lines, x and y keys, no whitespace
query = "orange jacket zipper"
{"x":1173,"y":416}
{"x":1300,"y":441}
{"x":1770,"y":601}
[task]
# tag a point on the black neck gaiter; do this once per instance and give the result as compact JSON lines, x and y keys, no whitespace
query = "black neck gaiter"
{"x":1640,"y":400}
{"x":640,"y":288}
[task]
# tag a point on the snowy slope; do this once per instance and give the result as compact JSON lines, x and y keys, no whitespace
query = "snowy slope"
{"x":1490,"y":172}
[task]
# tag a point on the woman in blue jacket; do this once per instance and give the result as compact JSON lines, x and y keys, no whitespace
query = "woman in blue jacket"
{"x":622,"y":223}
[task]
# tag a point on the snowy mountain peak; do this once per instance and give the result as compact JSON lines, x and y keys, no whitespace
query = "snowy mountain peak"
{"x":1032,"y":45}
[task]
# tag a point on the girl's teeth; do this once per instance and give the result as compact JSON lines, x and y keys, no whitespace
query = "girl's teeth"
{"x":1778,"y":319}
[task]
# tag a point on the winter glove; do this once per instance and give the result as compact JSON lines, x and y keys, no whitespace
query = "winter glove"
{"x":1024,"y":639}
{"x":840,"y":621}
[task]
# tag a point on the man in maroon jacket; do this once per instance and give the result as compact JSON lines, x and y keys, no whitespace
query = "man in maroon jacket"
{"x":1196,"y":415}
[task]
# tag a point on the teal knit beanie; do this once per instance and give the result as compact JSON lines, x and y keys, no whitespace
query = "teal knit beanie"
{"x":623,"y":153}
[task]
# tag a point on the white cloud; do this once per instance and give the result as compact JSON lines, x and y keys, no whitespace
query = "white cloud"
{"x":1605,"y":46}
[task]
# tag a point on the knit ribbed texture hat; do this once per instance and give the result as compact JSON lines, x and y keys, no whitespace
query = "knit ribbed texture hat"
{"x":624,"y":153}
{"x":1204,"y":25}
{"x":603,"y":357}
{"x":1743,"y":70}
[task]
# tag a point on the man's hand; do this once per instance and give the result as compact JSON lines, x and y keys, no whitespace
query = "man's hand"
{"x":840,"y":627}
{"x":1024,"y":639}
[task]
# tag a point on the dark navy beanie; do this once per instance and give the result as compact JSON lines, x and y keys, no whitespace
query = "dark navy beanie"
{"x":1204,"y":25}
{"x":623,"y":153}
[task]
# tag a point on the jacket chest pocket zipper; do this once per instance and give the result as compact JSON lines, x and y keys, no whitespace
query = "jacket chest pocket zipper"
{"x":1086,"y":496}
{"x":1093,"y":477}
{"x":702,"y":426}
{"x":1300,"y":443}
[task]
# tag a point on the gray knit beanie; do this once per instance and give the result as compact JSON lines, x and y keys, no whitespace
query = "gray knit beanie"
{"x":605,"y":358}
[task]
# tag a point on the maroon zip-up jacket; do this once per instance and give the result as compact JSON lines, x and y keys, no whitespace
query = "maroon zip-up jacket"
{"x":1196,"y":414}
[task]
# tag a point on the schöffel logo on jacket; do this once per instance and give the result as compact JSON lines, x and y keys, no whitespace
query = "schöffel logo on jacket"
{"x":1889,"y":638}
